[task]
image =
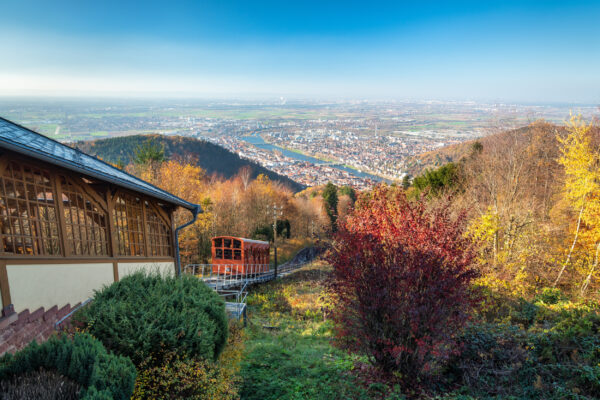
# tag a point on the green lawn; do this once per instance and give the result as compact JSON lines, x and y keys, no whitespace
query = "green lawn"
{"x":289,"y":354}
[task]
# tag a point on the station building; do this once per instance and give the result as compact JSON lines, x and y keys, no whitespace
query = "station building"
{"x":71,"y":223}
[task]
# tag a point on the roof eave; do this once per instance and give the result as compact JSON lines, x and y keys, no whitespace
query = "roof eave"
{"x":195,"y":208}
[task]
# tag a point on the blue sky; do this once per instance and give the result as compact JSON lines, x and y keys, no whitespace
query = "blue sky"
{"x":510,"y":50}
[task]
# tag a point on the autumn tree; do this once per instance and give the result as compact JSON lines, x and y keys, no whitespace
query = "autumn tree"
{"x":348,"y":191}
{"x":400,"y":283}
{"x":308,"y":216}
{"x":238,"y":206}
{"x":581,"y":162}
{"x":245,"y":176}
{"x":509,"y":184}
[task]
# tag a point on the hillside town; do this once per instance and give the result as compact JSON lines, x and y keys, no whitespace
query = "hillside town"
{"x":349,"y":143}
{"x":303,"y":172}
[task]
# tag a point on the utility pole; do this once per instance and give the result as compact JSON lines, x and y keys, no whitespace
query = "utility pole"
{"x":276,"y":213}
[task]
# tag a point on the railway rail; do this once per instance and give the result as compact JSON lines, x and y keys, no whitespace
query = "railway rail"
{"x":231,"y":284}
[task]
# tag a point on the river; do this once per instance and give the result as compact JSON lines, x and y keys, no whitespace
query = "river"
{"x":259,"y":142}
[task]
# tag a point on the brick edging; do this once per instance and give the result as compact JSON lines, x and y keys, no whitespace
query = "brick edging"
{"x":28,"y":326}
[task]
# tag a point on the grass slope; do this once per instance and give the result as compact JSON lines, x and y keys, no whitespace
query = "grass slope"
{"x":289,"y":352}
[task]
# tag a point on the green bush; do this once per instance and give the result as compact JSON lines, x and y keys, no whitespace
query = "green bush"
{"x":550,"y":296}
{"x":437,"y":181}
{"x":82,"y":359}
{"x":549,"y":349}
{"x":146,"y":315}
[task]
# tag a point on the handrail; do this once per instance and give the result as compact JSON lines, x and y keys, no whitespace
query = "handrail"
{"x":60,"y":321}
{"x":230,"y":280}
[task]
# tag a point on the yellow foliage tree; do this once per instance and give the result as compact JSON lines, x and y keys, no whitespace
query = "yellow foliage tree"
{"x":581,"y":163}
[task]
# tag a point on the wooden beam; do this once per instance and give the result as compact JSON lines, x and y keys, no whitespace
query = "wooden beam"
{"x":145,"y":231}
{"x":162,"y":213}
{"x":26,"y":260}
{"x":174,"y":244}
{"x":4,"y":287}
{"x":62,"y":223}
{"x":116,"y":271}
{"x":100,"y":202}
{"x":113,"y":193}
{"x":112,"y":230}
{"x":3,"y":163}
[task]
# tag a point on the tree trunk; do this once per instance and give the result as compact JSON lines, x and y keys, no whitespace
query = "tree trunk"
{"x":572,"y":246}
{"x":586,"y":283}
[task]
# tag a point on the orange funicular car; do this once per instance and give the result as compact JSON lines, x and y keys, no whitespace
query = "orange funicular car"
{"x":233,"y":255}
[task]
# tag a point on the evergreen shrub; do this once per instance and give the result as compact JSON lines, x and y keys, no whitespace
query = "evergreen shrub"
{"x":82,"y":359}
{"x":554,"y":353}
{"x":145,"y":316}
{"x":178,"y":377}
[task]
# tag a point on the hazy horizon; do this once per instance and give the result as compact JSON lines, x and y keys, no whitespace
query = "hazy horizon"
{"x":523,"y":52}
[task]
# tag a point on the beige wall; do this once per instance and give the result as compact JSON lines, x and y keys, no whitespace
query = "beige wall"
{"x":47,"y":285}
{"x":164,"y":268}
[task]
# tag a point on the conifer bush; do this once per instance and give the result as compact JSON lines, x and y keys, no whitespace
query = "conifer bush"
{"x":401,"y":283}
{"x":82,"y":360}
{"x":144,"y":316}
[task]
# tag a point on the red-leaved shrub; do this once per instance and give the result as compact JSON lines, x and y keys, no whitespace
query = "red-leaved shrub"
{"x":400,"y":283}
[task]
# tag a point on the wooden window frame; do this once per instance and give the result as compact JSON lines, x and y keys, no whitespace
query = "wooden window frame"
{"x":158,"y":232}
{"x":35,"y":226}
{"x":80,"y":188}
{"x":104,"y":199}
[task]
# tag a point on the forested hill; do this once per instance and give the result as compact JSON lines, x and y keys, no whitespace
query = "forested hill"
{"x":210,"y":157}
{"x":420,"y":163}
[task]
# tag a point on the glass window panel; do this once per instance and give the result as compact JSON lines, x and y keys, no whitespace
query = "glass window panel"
{"x":28,"y":224}
{"x":128,"y":215}
{"x":159,"y":233}
{"x":81,"y":220}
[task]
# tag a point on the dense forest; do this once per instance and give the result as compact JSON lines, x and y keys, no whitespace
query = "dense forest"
{"x":211,"y":158}
{"x":434,"y":159}
{"x":530,"y":198}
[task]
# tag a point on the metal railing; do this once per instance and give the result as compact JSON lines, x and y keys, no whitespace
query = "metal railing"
{"x":231,"y":281}
{"x":58,"y":324}
{"x":225,"y":276}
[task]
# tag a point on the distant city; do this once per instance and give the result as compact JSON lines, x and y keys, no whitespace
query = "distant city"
{"x":348,"y":143}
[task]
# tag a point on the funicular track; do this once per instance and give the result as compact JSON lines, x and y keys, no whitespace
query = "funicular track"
{"x":233,"y":285}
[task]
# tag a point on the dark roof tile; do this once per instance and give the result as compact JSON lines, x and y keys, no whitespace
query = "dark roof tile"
{"x":25,"y":141}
